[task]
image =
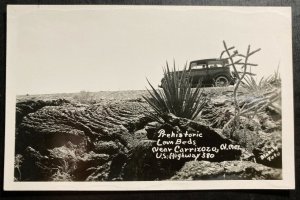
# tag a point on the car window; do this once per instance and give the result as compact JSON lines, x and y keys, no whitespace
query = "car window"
{"x":197,"y":66}
{"x":214,"y":65}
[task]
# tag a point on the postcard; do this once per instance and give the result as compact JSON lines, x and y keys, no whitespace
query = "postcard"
{"x":116,"y":98}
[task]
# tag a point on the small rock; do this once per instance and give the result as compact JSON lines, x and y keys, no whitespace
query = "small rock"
{"x":171,"y":119}
{"x":109,"y":147}
{"x":140,"y":134}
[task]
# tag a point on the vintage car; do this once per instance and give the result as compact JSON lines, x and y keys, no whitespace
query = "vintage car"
{"x":210,"y":72}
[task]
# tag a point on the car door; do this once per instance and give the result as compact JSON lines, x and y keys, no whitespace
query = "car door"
{"x":207,"y":75}
{"x":199,"y":74}
{"x":214,"y":69}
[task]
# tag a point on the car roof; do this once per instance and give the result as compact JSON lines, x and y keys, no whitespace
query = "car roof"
{"x":205,"y":61}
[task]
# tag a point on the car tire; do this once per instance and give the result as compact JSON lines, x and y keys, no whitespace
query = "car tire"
{"x":221,"y":81}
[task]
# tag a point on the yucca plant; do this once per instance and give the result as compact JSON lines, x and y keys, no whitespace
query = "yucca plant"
{"x":176,"y":96}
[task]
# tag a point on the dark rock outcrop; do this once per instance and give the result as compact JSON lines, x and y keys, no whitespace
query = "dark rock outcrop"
{"x":142,"y":164}
{"x":210,"y":137}
{"x":268,"y":150}
{"x":25,"y":107}
{"x":35,"y":167}
{"x":59,"y":140}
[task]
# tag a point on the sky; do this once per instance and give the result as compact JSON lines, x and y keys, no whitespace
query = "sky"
{"x":61,"y":49}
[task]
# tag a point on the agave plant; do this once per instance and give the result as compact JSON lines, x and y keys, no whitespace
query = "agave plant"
{"x":176,"y":96}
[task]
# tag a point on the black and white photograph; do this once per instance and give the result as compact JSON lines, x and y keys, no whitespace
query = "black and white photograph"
{"x":108,"y":98}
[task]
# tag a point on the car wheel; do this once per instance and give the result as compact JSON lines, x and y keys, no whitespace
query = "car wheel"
{"x":221,"y":81}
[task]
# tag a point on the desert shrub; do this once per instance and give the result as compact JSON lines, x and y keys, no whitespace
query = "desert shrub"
{"x":262,"y":86}
{"x":275,"y":79}
{"x":266,"y":93}
{"x":85,"y":97}
{"x":253,"y":86}
{"x":176,"y":96}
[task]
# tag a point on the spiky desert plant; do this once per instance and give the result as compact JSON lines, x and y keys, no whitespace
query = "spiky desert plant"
{"x":252,"y":85}
{"x":244,"y":62}
{"x":176,"y":96}
{"x":275,"y":79}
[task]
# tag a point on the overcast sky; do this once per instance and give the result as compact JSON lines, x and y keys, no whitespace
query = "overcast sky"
{"x":53,"y":49}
